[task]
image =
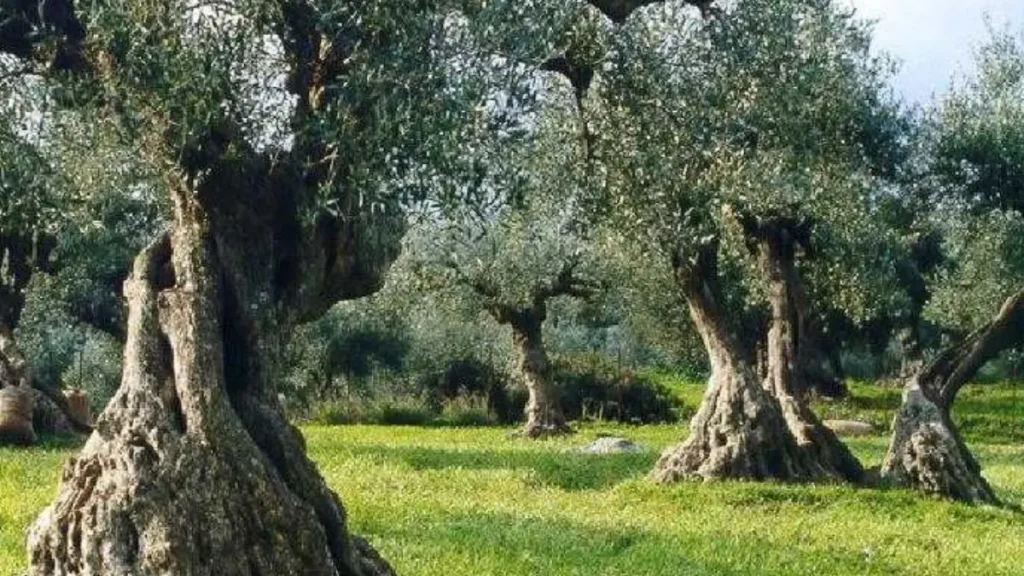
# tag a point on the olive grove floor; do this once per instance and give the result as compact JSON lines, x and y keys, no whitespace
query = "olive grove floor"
{"x":444,"y":501}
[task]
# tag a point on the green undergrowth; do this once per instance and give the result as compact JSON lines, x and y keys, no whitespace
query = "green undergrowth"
{"x":475,"y":501}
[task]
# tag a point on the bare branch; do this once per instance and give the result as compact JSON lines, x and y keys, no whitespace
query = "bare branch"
{"x":956,"y":365}
{"x":566,"y":283}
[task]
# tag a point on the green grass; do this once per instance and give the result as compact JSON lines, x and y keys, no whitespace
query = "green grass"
{"x":472,"y":501}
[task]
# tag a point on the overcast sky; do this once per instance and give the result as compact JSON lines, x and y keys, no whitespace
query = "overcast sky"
{"x":935,"y":38}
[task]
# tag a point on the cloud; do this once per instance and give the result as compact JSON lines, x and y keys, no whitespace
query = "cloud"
{"x":934,"y":39}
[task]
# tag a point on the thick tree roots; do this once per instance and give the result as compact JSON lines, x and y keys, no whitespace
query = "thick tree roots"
{"x":927,"y":453}
{"x":188,"y":473}
{"x":741,"y":432}
{"x":820,"y":444}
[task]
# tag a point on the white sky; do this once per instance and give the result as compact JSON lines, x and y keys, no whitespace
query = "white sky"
{"x":935,"y":39}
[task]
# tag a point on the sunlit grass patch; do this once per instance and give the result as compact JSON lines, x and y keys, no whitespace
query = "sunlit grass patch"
{"x":479,"y":501}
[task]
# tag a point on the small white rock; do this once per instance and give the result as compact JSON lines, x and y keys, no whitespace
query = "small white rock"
{"x":850,"y":427}
{"x":611,"y":445}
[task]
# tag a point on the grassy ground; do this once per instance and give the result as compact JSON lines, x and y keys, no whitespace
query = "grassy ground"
{"x":472,"y":501}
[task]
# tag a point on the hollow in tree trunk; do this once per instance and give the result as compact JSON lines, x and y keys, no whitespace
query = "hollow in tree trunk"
{"x":193,"y":468}
{"x":544,"y":415}
{"x":740,"y":430}
{"x":926,"y":451}
{"x":789,"y":356}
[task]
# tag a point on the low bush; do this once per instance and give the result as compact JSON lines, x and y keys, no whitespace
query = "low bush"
{"x":467,"y":410}
{"x":593,"y":388}
{"x":470,"y":377}
{"x":393,"y":410}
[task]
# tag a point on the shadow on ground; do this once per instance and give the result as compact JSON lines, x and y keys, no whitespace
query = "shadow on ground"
{"x":499,"y":543}
{"x":565,"y":470}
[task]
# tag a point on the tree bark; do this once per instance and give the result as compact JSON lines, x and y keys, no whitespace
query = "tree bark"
{"x":193,"y":468}
{"x":926,"y":451}
{"x":740,"y":430}
{"x":544,"y":415}
{"x":789,"y":355}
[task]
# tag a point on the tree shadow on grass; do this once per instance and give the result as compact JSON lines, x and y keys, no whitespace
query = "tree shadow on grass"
{"x":566,"y":470}
{"x":509,"y":544}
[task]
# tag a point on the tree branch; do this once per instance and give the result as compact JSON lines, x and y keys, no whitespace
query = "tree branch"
{"x":956,"y":365}
{"x":565,"y":283}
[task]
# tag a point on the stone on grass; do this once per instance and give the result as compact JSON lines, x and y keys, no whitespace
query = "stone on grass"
{"x":611,"y":445}
{"x":850,"y":427}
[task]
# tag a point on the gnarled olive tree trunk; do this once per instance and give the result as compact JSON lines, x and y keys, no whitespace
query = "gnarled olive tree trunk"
{"x":740,"y":430}
{"x":193,"y":468}
{"x":926,"y":451}
{"x":788,"y":358}
{"x":544,"y":415}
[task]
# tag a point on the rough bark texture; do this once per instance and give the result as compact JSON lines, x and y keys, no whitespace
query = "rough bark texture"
{"x":926,"y":451}
{"x":543,"y":410}
{"x":193,"y":468}
{"x":788,"y":360}
{"x":740,"y":430}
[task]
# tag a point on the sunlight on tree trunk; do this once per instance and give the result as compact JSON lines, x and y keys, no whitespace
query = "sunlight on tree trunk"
{"x":787,"y":358}
{"x":193,"y":467}
{"x":926,"y":451}
{"x":543,"y":410}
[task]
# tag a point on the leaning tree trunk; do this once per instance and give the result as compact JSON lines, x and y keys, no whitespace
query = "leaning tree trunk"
{"x":740,"y":430}
{"x":193,"y":468}
{"x":788,"y":356}
{"x":544,"y":415}
{"x":926,"y":451}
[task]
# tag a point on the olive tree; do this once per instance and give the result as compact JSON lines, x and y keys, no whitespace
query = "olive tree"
{"x":975,"y":141}
{"x":285,"y":133}
{"x":530,"y":247}
{"x":47,"y":216}
{"x":735,"y":145}
{"x":28,"y":207}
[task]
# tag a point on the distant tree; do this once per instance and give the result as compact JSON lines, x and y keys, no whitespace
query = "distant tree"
{"x":526,"y":250}
{"x":59,"y":221}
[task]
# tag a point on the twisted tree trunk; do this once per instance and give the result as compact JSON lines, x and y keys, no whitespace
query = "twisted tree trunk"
{"x":193,"y":468}
{"x":544,"y":415}
{"x":789,"y":357}
{"x":740,"y":430}
{"x":926,"y":451}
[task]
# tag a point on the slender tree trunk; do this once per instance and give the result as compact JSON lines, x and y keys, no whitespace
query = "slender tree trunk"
{"x":926,"y":451}
{"x":193,"y":468}
{"x":788,"y":357}
{"x":740,"y":430}
{"x":544,"y":415}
